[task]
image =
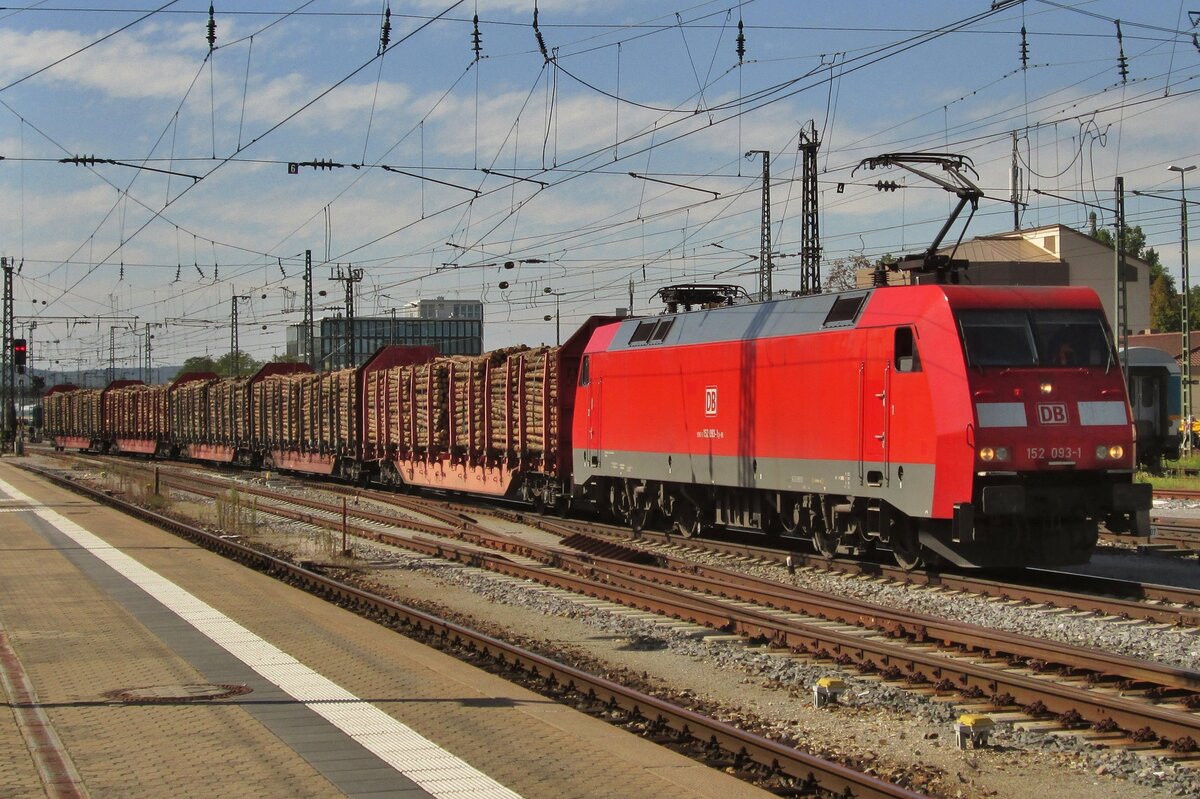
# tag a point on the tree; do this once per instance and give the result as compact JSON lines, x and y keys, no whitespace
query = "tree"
{"x":245,"y":365}
{"x":223,"y":366}
{"x":843,"y":272}
{"x":285,"y":358}
{"x":198,"y":363}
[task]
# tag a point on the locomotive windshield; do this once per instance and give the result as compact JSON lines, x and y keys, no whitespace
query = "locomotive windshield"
{"x":1035,"y":338}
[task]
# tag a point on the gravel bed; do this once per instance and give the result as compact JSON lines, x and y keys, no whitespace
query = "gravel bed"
{"x":1179,"y":647}
{"x":796,"y":674}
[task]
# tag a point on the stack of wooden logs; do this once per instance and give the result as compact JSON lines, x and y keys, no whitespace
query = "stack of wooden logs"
{"x":189,"y":411}
{"x":137,"y":411}
{"x":502,"y":404}
{"x":73,"y":413}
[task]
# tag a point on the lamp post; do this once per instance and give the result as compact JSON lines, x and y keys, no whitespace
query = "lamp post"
{"x":557,"y":318}
{"x":1186,"y":354}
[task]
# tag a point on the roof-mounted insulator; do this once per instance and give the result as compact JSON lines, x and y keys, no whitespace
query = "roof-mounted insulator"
{"x":477,"y":39}
{"x":741,"y":43}
{"x":541,"y":42}
{"x":212,"y":28}
{"x":385,"y":30}
{"x":1024,"y":49}
{"x":1122,"y":61}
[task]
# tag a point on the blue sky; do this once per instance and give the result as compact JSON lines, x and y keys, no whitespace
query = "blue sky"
{"x":452,"y":166}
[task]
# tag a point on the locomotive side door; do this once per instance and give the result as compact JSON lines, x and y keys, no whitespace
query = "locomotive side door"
{"x":591,"y":452}
{"x":875,"y":377}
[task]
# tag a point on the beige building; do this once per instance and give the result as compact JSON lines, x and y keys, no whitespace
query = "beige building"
{"x":1054,"y":255}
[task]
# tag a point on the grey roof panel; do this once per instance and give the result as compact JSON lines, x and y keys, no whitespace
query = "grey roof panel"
{"x":787,"y":317}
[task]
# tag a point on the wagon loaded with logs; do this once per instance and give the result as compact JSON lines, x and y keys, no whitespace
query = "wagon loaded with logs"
{"x":497,"y":423}
{"x":72,"y":417}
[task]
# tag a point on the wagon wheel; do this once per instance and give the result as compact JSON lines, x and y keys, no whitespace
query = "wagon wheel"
{"x":906,"y":547}
{"x":790,"y":518}
{"x":825,"y":541}
{"x":643,"y":508}
{"x":619,"y":505}
{"x":641,"y":516}
{"x":685,"y":518}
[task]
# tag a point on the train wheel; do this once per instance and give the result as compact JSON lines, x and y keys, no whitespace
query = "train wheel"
{"x":906,"y":548}
{"x":825,"y":541}
{"x":790,"y":516}
{"x":686,"y":519}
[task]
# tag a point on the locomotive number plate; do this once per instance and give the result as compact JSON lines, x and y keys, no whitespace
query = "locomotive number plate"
{"x":1054,"y":453}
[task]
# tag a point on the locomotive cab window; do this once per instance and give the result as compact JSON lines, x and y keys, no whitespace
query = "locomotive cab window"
{"x":1072,"y":338}
{"x":585,"y":369}
{"x":1050,"y":338}
{"x":997,"y":338}
{"x":905,"y":349}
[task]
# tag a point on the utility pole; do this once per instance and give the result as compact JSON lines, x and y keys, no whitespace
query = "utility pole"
{"x":1122,"y":292}
{"x":810,"y":228}
{"x":235,"y":356}
{"x":112,"y":354}
{"x":147,"y":370}
{"x":8,"y":367}
{"x":348,"y":277}
{"x":764,"y":257}
{"x":1185,"y":359}
{"x":1014,"y":183}
{"x":310,"y":352}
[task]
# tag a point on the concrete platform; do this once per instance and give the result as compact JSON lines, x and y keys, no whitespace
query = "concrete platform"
{"x":138,"y":665}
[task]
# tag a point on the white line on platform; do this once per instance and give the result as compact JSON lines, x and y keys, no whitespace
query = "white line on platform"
{"x":440,"y":773}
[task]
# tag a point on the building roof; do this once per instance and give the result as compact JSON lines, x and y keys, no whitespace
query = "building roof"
{"x":1001,"y":248}
{"x":1170,"y":343}
{"x":992,"y":247}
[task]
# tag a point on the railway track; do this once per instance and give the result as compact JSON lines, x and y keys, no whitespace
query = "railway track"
{"x":1132,"y":703}
{"x":778,"y":767}
{"x":1105,"y":596}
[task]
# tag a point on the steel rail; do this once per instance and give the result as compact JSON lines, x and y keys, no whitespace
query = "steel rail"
{"x":1188,"y":600}
{"x":778,"y":759}
{"x":611,"y":580}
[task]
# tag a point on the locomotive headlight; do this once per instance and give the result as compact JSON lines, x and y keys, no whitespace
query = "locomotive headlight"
{"x":1115,"y":452}
{"x":989,"y":454}
{"x":1047,"y":388}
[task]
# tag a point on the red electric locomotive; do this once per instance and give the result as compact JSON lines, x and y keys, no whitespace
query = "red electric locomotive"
{"x":980,"y":426}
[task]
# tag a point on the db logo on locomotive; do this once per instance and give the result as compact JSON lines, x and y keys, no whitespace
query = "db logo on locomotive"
{"x":710,"y":400}
{"x":1052,"y":412}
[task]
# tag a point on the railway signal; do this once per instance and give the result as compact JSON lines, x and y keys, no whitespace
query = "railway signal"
{"x":20,"y":352}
